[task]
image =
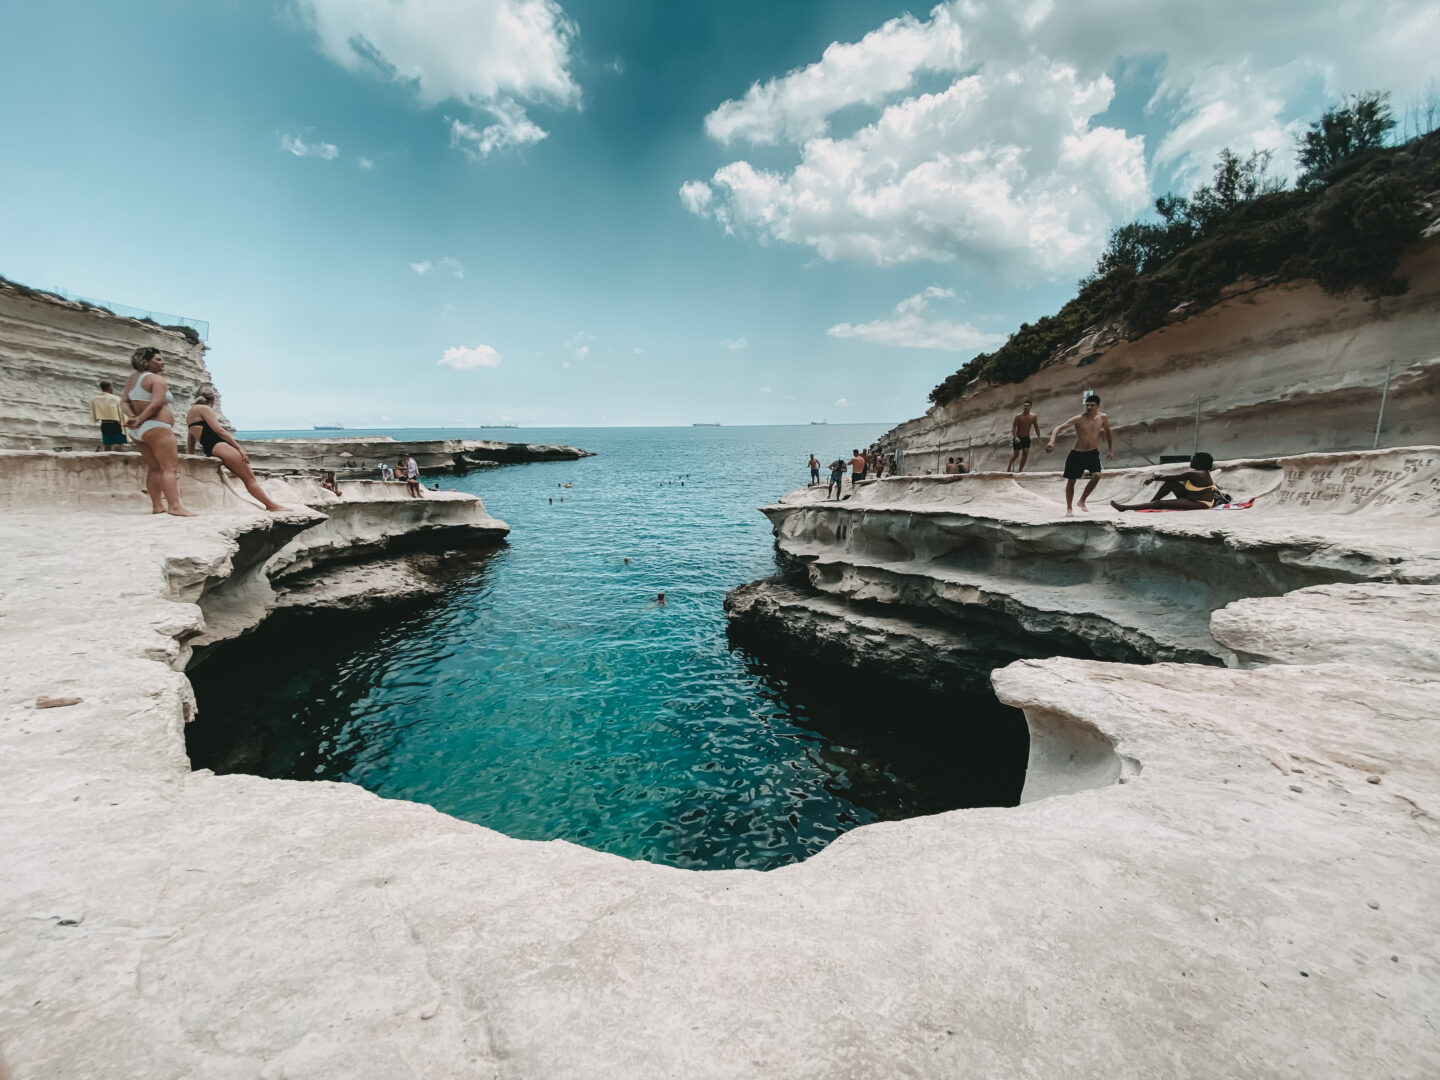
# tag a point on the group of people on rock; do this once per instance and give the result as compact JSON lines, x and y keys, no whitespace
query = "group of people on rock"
{"x":868,"y":464}
{"x":1190,"y":489}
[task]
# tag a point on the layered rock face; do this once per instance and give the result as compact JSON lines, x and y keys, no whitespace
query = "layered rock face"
{"x":1283,"y":369}
{"x":54,"y":354}
{"x":989,"y":567}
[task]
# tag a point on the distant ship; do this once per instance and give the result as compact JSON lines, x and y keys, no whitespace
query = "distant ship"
{"x":706,"y":423}
{"x":329,"y":427}
{"x":499,"y":425}
{"x":819,"y":423}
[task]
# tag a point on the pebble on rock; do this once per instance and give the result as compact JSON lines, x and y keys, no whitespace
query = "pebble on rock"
{"x":1372,"y":779}
{"x":46,"y":702}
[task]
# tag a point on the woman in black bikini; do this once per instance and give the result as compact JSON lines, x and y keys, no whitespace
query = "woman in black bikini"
{"x":206,"y":429}
{"x":1193,"y":490}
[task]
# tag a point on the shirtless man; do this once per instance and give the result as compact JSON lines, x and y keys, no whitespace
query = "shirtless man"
{"x":857,"y":468}
{"x":1020,"y":429}
{"x":1085,"y":457}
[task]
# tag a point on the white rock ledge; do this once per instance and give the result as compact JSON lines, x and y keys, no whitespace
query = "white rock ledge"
{"x":1247,"y":903}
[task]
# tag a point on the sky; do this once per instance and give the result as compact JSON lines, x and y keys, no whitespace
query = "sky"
{"x":418,"y":213}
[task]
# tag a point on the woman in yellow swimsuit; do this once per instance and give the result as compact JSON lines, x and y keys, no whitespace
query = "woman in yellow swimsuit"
{"x":1192,"y":490}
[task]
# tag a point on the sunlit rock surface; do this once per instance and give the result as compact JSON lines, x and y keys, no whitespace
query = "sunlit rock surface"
{"x":993,"y":554}
{"x":1215,"y":872}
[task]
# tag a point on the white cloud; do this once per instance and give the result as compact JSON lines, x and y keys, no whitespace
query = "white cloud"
{"x":463,"y":358}
{"x":445,"y":265}
{"x":1009,"y":167}
{"x":909,"y":327}
{"x":490,"y":55}
{"x":735,"y":344}
{"x":511,"y":128}
{"x":366,"y":163}
{"x":797,"y":106}
{"x":473,"y":51}
{"x":297,"y":145}
{"x":765,"y":390}
{"x":844,"y":403}
{"x":696,"y":196}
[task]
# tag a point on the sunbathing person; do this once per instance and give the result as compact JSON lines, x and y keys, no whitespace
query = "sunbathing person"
{"x":1191,"y":490}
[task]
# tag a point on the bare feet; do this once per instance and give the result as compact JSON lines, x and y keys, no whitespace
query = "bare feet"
{"x":1082,"y":506}
{"x":1069,"y":512}
{"x":274,"y":508}
{"x":180,"y":511}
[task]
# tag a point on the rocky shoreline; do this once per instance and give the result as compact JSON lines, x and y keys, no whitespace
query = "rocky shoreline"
{"x":1213,"y":871}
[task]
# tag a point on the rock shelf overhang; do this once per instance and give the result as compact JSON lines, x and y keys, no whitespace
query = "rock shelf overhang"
{"x":1255,"y":898}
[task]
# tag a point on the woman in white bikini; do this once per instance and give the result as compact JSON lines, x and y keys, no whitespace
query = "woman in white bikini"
{"x":148,"y":399}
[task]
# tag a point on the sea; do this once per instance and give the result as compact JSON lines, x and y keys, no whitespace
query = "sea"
{"x":549,"y":695}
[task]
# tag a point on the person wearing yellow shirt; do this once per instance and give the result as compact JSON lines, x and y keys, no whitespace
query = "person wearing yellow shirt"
{"x":106,"y":410}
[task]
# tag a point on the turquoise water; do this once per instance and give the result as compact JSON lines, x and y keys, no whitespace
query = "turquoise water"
{"x":548,"y":695}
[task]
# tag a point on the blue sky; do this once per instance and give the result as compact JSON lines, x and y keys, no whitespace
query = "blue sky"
{"x":425,"y":212}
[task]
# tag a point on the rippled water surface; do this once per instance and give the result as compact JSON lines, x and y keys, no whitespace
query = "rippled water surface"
{"x":547,"y":694}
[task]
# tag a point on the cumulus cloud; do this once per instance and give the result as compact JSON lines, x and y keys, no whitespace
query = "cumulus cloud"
{"x":735,"y":344}
{"x":422,"y":268}
{"x":511,"y":128}
{"x":366,"y":163}
{"x":491,"y":55}
{"x":910,"y":326}
{"x":696,"y":196}
{"x":1009,"y":166}
{"x":797,"y":106}
{"x":297,"y":145}
{"x":463,"y":358}
{"x":844,"y":403}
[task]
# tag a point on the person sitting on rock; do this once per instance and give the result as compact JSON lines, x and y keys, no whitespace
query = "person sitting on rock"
{"x":329,"y":483}
{"x":206,"y":429}
{"x":1190,"y":490}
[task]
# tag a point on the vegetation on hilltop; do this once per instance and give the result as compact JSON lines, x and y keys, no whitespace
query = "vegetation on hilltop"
{"x":1355,"y":208}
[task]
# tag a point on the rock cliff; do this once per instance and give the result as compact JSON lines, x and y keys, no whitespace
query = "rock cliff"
{"x":1280,"y":369}
{"x":54,"y":353}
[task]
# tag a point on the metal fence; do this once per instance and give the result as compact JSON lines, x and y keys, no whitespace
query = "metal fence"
{"x":200,"y":326}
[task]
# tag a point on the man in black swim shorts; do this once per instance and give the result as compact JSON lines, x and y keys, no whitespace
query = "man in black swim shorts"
{"x":1020,"y":428}
{"x":1085,"y":457}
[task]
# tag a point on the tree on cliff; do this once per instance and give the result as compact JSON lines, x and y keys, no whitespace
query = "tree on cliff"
{"x":1359,"y":122}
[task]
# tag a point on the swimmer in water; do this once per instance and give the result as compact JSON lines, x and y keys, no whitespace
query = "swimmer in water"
{"x":660,"y":599}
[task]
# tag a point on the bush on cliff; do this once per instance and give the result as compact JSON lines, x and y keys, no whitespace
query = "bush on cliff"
{"x":1347,"y":230}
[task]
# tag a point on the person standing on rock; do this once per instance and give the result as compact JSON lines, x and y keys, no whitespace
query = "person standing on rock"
{"x":1085,"y":457}
{"x":814,"y":470}
{"x":412,"y":478}
{"x":206,"y":429}
{"x":857,"y":468}
{"x":107,"y":411}
{"x":148,"y":398}
{"x":1020,"y":428}
{"x":837,"y":478}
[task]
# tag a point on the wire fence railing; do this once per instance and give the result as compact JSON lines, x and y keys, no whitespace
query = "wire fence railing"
{"x":160,"y":318}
